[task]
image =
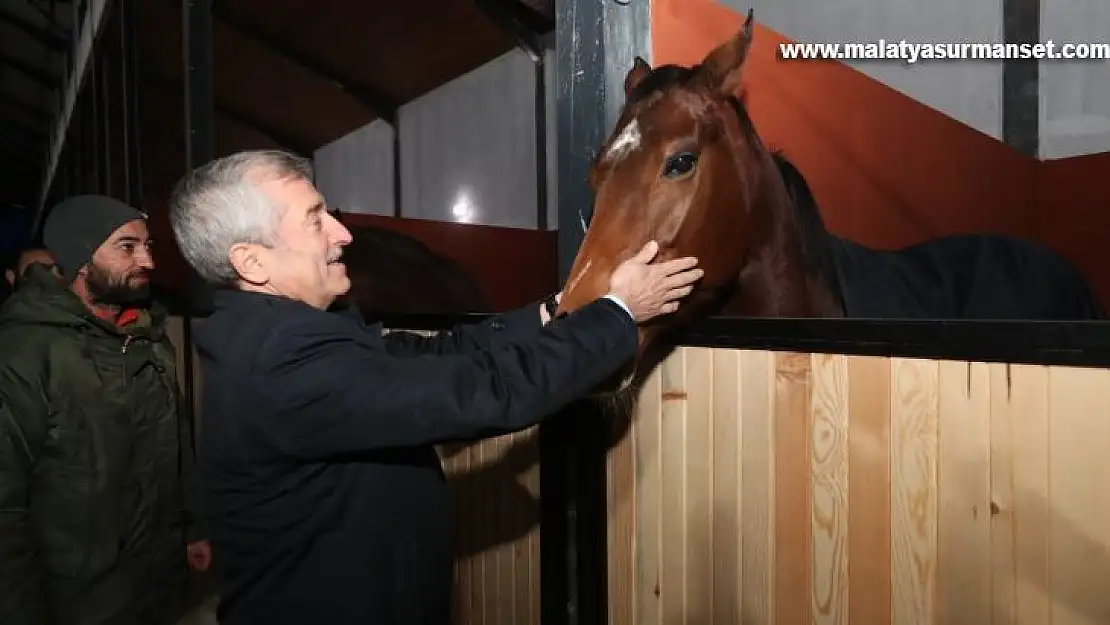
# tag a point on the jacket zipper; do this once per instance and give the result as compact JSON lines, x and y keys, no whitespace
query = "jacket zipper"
{"x":126,"y":342}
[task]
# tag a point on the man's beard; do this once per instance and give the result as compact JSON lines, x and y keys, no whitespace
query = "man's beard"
{"x":109,"y":290}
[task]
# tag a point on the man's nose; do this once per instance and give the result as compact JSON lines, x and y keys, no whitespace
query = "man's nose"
{"x":144,"y":259}
{"x":338,"y":233}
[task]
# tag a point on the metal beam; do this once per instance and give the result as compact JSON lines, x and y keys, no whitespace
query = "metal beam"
{"x":200,"y":148}
{"x":507,"y":16}
{"x":1021,"y":95}
{"x":84,"y":31}
{"x":199,"y":88}
{"x":596,"y":42}
{"x":382,"y":104}
{"x":132,"y":137}
{"x":544,"y":9}
{"x":230,"y":112}
{"x":48,"y":39}
{"x":35,"y":73}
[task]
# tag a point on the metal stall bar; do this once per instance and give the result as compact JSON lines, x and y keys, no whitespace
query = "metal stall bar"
{"x":95,"y":110}
{"x":106,"y":128}
{"x":84,"y":33}
{"x":200,"y":144}
{"x":596,"y":42}
{"x":131,"y":124}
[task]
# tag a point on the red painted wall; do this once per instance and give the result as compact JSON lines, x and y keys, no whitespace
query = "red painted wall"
{"x":887,"y":170}
{"x":515,"y":266}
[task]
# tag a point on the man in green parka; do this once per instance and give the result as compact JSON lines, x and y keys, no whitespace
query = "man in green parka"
{"x":97,"y":516}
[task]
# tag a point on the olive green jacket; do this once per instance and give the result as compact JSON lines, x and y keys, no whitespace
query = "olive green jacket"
{"x":96,"y":464}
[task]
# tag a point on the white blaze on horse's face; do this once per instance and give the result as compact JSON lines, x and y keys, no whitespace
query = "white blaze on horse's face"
{"x":627,"y":141}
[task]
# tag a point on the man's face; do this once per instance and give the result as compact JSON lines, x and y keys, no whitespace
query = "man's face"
{"x":304,"y":263}
{"x":119,"y":272}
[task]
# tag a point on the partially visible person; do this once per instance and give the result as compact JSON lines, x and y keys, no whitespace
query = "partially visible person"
{"x":96,"y":493}
{"x":35,"y":256}
{"x":9,"y":262}
{"x":326,"y":499}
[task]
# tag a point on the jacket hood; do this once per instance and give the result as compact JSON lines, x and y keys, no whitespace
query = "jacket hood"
{"x":44,"y":300}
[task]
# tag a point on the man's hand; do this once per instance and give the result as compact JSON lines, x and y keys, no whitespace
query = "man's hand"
{"x":653,"y":290}
{"x":199,"y":556}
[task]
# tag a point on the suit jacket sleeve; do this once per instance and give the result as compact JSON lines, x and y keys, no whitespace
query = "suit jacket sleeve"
{"x":23,"y":598}
{"x":510,"y":326}
{"x":331,"y":392}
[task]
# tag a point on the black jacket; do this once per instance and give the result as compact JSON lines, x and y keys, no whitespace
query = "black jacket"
{"x":327,"y":501}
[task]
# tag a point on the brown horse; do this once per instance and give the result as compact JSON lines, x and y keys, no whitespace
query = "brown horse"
{"x":686,"y":167}
{"x":394,"y":273}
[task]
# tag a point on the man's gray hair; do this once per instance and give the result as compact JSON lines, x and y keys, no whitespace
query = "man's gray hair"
{"x":221,"y":204}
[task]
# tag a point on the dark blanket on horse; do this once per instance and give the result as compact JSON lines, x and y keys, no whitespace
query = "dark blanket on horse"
{"x":971,"y":276}
{"x":960,"y":277}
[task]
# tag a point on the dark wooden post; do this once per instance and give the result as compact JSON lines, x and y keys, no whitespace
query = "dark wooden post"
{"x":596,"y":42}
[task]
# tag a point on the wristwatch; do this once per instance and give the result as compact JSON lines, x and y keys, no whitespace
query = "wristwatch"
{"x":550,"y":305}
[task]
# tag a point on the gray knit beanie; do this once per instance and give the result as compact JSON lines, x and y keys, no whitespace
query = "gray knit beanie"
{"x":77,"y":226}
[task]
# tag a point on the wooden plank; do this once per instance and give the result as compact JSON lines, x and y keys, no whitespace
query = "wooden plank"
{"x":963,"y":487}
{"x":757,"y":488}
{"x":649,"y":504}
{"x":726,"y":474}
{"x":531,"y":480}
{"x":1078,"y":532}
{"x":1030,"y":444}
{"x":621,"y":498}
{"x":830,"y":497}
{"x":698,"y":486}
{"x":504,"y":595}
{"x":1003,"y":570}
{"x":673,"y":495}
{"x":792,"y":489}
{"x":869,"y":541}
{"x":913,"y":490}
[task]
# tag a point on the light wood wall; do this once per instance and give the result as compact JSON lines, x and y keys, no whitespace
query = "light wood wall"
{"x":497,"y":573}
{"x":772,"y":488}
{"x":766,"y":488}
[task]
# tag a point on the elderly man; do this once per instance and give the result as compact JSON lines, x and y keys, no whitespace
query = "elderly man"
{"x":95,"y":446}
{"x":327,"y":500}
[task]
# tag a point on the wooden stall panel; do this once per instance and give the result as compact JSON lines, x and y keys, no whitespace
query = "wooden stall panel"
{"x":496,"y":484}
{"x":772,"y":488}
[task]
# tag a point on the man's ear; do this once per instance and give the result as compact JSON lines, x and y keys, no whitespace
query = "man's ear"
{"x":9,"y":275}
{"x":248,"y":262}
{"x":723,"y":68}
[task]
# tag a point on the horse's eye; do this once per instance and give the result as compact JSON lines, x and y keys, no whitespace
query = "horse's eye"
{"x":680,"y":164}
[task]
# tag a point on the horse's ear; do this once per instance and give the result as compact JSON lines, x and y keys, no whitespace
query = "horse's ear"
{"x":723,"y":67}
{"x":640,"y":70}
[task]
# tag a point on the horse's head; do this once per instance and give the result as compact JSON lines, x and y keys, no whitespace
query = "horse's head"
{"x":684,"y":167}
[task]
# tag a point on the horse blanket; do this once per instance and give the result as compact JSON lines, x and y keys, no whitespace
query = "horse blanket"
{"x":973,"y":276}
{"x":959,"y":277}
